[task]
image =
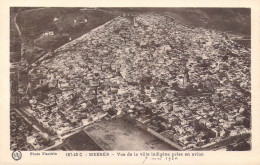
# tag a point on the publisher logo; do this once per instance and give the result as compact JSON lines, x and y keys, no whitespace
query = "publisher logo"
{"x":17,"y":155}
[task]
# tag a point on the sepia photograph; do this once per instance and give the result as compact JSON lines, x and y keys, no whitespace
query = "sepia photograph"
{"x":130,"y":79}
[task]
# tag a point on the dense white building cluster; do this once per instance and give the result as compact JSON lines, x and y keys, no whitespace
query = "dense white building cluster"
{"x":191,"y":85}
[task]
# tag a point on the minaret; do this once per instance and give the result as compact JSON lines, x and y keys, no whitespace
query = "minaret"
{"x":186,"y":79}
{"x":135,"y":23}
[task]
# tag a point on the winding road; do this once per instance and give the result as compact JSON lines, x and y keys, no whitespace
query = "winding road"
{"x":16,"y":25}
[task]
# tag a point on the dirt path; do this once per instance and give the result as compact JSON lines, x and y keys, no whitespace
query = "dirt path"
{"x":16,"y":25}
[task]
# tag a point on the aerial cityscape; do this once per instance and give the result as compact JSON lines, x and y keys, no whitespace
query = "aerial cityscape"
{"x":130,"y":79}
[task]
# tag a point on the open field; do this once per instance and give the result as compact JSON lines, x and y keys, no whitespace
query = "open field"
{"x":65,"y":23}
{"x":117,"y":134}
{"x":81,"y":141}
